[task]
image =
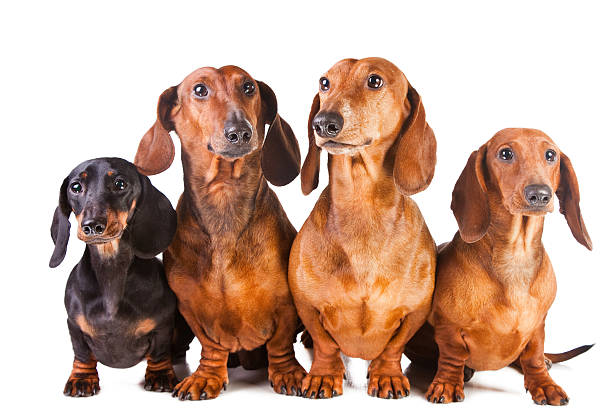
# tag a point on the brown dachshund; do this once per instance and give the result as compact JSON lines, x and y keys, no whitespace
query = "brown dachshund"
{"x":362,"y":267}
{"x":495,"y":282}
{"x":228,"y":261}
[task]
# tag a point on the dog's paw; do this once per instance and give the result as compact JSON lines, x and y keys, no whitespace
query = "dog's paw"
{"x":82,"y":386}
{"x":321,"y":386}
{"x":199,"y":386}
{"x":440,"y":392}
{"x":287,"y":381}
{"x":160,"y":380}
{"x":548,"y":393}
{"x":387,"y":386}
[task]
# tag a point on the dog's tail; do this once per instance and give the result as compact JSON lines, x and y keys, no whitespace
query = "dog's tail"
{"x":559,"y":357}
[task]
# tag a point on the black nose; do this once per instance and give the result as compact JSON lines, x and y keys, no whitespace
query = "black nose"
{"x":237,"y":132}
{"x":328,"y":124}
{"x":94,"y":226}
{"x":538,"y":195}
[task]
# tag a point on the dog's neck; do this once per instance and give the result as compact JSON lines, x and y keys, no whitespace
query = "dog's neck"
{"x":222,"y":193}
{"x":362,"y":184}
{"x":110,"y":263}
{"x":513,"y":246}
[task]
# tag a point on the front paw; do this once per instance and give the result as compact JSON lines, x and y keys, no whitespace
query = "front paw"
{"x":160,"y":380}
{"x":388,"y":386}
{"x":441,"y":392}
{"x":199,"y":386}
{"x":548,"y":393}
{"x":287,"y":381}
{"x":82,"y":385}
{"x":321,"y":386}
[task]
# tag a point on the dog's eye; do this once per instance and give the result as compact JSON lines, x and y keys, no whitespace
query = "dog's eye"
{"x":506,"y":154}
{"x":324,"y":84}
{"x":200,"y":91}
{"x":76,"y":187}
{"x":551,"y":155}
{"x":120,"y":184}
{"x":248,"y":88}
{"x":375,"y":81}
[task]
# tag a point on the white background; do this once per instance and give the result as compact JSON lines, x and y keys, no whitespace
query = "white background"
{"x":80,"y":81}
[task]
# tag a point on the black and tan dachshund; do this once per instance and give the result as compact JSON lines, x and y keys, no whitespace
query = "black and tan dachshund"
{"x":120,"y":307}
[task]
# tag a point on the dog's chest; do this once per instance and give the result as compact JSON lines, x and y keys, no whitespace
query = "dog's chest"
{"x":506,"y":317}
{"x":234,"y":297}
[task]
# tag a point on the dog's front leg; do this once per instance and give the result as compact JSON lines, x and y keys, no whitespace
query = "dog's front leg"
{"x":542,"y":388}
{"x":159,"y":375}
{"x":386,"y":379}
{"x":83,"y":380}
{"x":210,"y":377}
{"x":447,"y":385}
{"x":326,"y":373}
{"x":284,"y":371}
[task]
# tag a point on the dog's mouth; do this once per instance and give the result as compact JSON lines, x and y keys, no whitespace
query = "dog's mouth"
{"x":231,"y":155}
{"x":99,"y":240}
{"x":334,"y":147}
{"x":529,"y":210}
{"x":113,"y":232}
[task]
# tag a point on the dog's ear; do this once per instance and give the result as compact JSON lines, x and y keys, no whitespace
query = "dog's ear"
{"x":569,"y":202}
{"x":280,"y":154}
{"x":415,"y":159}
{"x":60,"y":227}
{"x":156,"y":149}
{"x":310,"y":169}
{"x":470,"y":204}
{"x":153,"y":224}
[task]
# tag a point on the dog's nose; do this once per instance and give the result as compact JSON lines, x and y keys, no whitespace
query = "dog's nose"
{"x":237,"y":132}
{"x":93,"y":226}
{"x":538,"y":195}
{"x":328,"y":124}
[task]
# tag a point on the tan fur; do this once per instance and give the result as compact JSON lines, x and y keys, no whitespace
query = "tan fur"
{"x":85,"y":326}
{"x":362,"y":266}
{"x":495,"y":283}
{"x":144,"y":326}
{"x":228,"y":260}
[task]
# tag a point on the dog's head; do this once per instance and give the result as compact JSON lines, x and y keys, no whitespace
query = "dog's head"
{"x":109,"y":197}
{"x":521,"y":169}
{"x":224,"y":112}
{"x":367,"y":102}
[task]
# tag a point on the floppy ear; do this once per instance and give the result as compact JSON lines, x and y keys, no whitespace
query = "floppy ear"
{"x":60,"y":227}
{"x":415,"y":159}
{"x":569,"y":202}
{"x":153,"y":224}
{"x":280,"y":154}
{"x":310,"y":169}
{"x":470,"y":204}
{"x":156,"y":150}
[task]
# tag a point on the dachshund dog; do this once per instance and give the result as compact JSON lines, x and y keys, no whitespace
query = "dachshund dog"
{"x":362,"y":267}
{"x":495,"y":282}
{"x":228,"y":262}
{"x":120,"y":307}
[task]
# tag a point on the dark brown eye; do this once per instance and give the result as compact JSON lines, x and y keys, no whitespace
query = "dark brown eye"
{"x":506,"y":154}
{"x":375,"y":81}
{"x":324,"y":84}
{"x":551,"y":155}
{"x":200,"y":91}
{"x":120,"y":184}
{"x":248,"y":88}
{"x":76,"y":187}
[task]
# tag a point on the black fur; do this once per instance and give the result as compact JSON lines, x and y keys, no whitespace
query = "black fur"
{"x":116,"y":293}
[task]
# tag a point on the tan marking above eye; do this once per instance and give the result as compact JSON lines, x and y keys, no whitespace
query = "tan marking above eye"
{"x":84,"y":174}
{"x":110,"y":173}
